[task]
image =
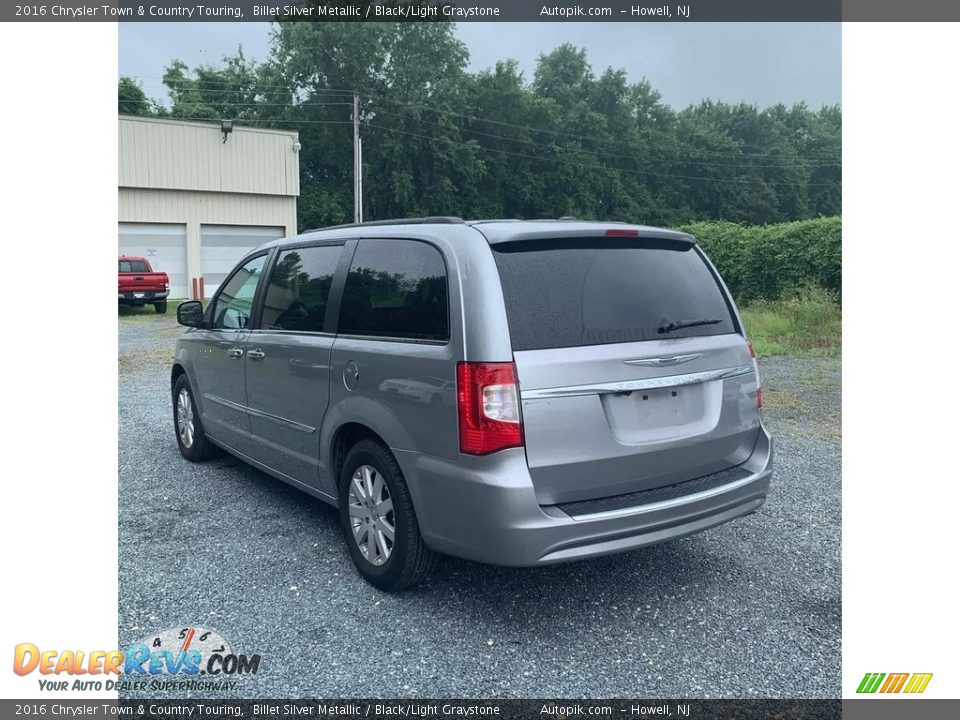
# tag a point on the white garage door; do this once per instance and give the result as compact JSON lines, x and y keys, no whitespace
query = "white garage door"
{"x":222,"y":246}
{"x":164,"y":245}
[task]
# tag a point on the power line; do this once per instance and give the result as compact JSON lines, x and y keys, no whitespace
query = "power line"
{"x":559,"y":133}
{"x":221,"y":86}
{"x":578,"y":136}
{"x":477,"y":146}
{"x":799,"y":163}
{"x":261,"y":104}
{"x":593,"y":167}
{"x":281,"y":121}
{"x":536,"y":157}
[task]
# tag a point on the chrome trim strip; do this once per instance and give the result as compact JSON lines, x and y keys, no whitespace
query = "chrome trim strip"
{"x":665,"y":504}
{"x":226,"y":403}
{"x":292,"y":424}
{"x":386,"y":338}
{"x":308,"y":333}
{"x":664,"y":361}
{"x":627,"y":386}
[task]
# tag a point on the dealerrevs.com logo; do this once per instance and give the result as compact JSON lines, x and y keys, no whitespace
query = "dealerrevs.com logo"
{"x":910,"y":683}
{"x":189,"y":658}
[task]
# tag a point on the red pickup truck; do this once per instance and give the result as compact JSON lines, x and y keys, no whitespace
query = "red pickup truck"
{"x":139,"y":285}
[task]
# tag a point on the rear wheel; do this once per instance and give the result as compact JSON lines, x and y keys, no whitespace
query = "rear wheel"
{"x":191,"y":439}
{"x":378,"y":520}
{"x":161,"y":307}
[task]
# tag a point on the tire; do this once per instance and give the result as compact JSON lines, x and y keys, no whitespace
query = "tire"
{"x":194,"y":445}
{"x":408,"y":560}
{"x":161,"y":307}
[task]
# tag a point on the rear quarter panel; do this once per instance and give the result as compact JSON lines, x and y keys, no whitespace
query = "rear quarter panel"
{"x":411,"y":421}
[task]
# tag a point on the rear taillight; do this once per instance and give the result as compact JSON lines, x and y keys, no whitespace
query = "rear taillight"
{"x":488,"y":407}
{"x":756,"y":371}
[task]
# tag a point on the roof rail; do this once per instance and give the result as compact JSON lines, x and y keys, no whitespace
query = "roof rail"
{"x":433,"y":220}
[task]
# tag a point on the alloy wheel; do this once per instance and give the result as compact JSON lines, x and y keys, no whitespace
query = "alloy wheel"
{"x":185,"y":426}
{"x":371,"y":515}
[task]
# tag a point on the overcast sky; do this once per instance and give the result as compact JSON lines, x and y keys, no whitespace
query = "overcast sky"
{"x":760,"y":63}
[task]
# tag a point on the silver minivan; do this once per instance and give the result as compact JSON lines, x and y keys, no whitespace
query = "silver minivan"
{"x":511,"y":392}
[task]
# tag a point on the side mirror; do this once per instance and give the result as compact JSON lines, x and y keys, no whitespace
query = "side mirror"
{"x":190,"y":313}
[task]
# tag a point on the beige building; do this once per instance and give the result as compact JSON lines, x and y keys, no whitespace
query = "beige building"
{"x":193,"y":200}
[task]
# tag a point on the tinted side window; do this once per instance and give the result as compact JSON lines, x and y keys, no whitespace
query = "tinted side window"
{"x":233,"y":307}
{"x":396,"y":288}
{"x":296,"y":296}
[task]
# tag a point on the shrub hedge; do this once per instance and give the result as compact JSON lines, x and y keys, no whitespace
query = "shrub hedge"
{"x":765,"y":262}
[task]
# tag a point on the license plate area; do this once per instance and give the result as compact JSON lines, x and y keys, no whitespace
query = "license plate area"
{"x":665,"y":406}
{"x":138,"y":295}
{"x":656,"y":414}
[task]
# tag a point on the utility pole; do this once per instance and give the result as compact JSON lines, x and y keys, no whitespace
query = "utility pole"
{"x":356,"y":159}
{"x":360,"y":184}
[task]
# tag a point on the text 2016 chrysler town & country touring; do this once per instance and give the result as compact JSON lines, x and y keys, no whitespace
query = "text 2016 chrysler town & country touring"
{"x":518,"y":393}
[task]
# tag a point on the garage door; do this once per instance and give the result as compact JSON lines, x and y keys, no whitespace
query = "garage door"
{"x":164,"y":245}
{"x":222,"y":246}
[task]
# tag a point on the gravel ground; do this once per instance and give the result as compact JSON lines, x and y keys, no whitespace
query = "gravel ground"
{"x":749,"y":609}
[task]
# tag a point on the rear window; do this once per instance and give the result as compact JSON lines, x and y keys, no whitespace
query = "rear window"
{"x":572,"y":292}
{"x":137,"y":266}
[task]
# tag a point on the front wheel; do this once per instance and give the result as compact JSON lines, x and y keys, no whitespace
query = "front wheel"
{"x":378,"y":520}
{"x":191,"y":439}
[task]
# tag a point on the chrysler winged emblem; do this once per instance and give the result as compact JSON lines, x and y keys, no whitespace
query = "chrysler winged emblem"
{"x":664,"y":361}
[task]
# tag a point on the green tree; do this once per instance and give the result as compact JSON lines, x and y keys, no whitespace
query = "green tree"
{"x":438,"y":139}
{"x":132,"y":100}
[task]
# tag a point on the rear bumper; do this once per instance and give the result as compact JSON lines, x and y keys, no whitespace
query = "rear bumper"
{"x":486,"y":510}
{"x":147,"y":296}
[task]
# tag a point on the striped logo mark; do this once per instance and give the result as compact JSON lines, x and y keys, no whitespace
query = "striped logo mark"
{"x":918,"y":682}
{"x":894,"y":682}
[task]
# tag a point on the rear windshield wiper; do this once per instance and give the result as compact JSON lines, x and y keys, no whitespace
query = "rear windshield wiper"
{"x":679,"y":325}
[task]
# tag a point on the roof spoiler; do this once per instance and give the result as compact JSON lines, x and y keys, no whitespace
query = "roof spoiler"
{"x":618,"y":234}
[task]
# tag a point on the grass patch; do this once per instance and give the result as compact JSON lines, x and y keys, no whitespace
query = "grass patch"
{"x":828,"y":379}
{"x":147,"y":311}
{"x":781,"y":402}
{"x":807,"y":322}
{"x":136,"y":361}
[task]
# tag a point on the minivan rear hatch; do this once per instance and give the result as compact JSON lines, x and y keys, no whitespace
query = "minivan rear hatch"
{"x":632,"y":367}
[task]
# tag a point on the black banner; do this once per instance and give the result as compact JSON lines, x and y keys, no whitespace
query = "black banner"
{"x":347,"y":709}
{"x":481,"y":10}
{"x":498,"y":709}
{"x":428,"y":709}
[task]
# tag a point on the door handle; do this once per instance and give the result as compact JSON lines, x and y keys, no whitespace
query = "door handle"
{"x":235,"y":352}
{"x":256,"y":354}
